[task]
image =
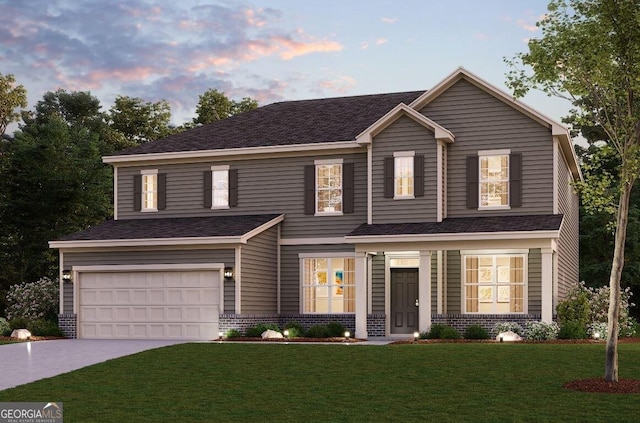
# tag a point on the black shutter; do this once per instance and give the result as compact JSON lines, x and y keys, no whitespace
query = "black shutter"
{"x":515,"y":180}
{"x":418,"y":176}
{"x":472,"y":182}
{"x":162,"y":191}
{"x":137,"y":192}
{"x":233,"y":187}
{"x":207,"y":189}
{"x":388,"y":177}
{"x":310,"y":189}
{"x":347,"y":188}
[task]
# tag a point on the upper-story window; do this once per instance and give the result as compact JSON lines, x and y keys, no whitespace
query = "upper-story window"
{"x":149,"y":191}
{"x":494,"y":180}
{"x":220,"y":187}
{"x":328,"y":187}
{"x":403,"y":174}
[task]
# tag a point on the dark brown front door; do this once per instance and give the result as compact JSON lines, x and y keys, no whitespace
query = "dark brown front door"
{"x":404,"y":297}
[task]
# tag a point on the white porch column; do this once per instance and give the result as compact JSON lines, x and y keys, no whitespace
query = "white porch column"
{"x":424,"y":291}
{"x":547,"y":285}
{"x":361,"y":295}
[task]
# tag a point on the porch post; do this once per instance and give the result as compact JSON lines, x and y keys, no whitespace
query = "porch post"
{"x":424,"y":291}
{"x":547,"y":285}
{"x":361,"y":295}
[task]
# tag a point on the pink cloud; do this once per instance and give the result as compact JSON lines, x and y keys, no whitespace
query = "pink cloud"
{"x":381,"y":41}
{"x":139,"y":73}
{"x":389,"y":20}
{"x":293,"y":49}
{"x":340,"y":85}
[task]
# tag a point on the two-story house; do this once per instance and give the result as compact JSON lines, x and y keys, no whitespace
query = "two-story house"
{"x":385,"y":212}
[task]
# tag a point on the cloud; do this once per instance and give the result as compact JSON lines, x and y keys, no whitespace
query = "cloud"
{"x":148,"y":49}
{"x":389,"y":20}
{"x":381,"y":41}
{"x":340,"y":85}
{"x":481,"y":36}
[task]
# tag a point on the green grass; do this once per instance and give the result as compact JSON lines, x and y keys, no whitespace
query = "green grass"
{"x":397,"y":383}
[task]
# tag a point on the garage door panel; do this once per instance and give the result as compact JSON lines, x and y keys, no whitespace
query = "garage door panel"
{"x":149,"y":304}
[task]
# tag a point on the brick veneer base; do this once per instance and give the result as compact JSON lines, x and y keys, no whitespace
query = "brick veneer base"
{"x":461,"y":321}
{"x":68,"y":325}
{"x":242,"y":322}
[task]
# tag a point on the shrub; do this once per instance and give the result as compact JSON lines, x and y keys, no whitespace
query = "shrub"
{"x":336,"y":329}
{"x":18,"y":323}
{"x":318,"y":331}
{"x":5,"y":328}
{"x":34,"y":300}
{"x":476,"y":332}
{"x":449,"y":333}
{"x":43,"y":327}
{"x":541,"y":331}
{"x":296,"y":330}
{"x":424,"y":335}
{"x":506,"y":327}
{"x":435,"y":331}
{"x":232,"y":333}
{"x":256,"y":331}
{"x":575,"y":307}
{"x":572,"y":330}
{"x":598,"y":330}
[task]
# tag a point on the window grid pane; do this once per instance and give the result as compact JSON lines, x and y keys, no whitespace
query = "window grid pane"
{"x":328,"y":285}
{"x":494,"y":181}
{"x":220,"y":188}
{"x":494,"y":284}
{"x":403,"y":175}
{"x":329,"y":188}
{"x":149,"y":192}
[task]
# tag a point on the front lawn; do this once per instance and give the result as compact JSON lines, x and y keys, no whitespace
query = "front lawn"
{"x":429,"y":382}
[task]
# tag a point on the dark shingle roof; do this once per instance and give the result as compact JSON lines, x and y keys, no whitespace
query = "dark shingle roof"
{"x":286,"y":123}
{"x":183,"y":227}
{"x":550,"y":222}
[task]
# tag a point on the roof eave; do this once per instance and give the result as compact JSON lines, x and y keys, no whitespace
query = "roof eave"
{"x":463,"y":236}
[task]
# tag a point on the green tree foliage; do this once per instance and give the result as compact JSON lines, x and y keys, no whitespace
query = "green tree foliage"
{"x":589,"y":52}
{"x":12,"y":97}
{"x":214,"y":105}
{"x":139,"y":121}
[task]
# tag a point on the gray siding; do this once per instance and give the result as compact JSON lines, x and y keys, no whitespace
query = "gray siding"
{"x":67,"y":297}
{"x":404,"y":135}
{"x":568,"y":244}
{"x":290,"y":271}
{"x":274,"y":185}
{"x":378,"y":283}
{"x":534,"y":283}
{"x":454,"y":282}
{"x":479,"y":121}
{"x":259,"y":266}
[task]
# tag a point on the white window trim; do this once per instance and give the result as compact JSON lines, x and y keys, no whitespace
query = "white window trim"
{"x":485,"y":153}
{"x":144,"y":209}
{"x":413,"y":175}
{"x":324,"y":162}
{"x":219,"y":168}
{"x":492,"y":253}
{"x":301,"y":258}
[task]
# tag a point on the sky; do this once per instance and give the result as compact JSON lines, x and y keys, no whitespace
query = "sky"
{"x":269,"y":50}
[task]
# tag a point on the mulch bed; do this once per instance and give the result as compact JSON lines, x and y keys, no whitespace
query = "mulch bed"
{"x":340,"y":340}
{"x":599,"y":385}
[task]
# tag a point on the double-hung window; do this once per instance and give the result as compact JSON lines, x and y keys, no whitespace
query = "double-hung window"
{"x":149,"y":190}
{"x":494,"y":179}
{"x":494,"y":284}
{"x":328,"y":186}
{"x":219,"y":187}
{"x":403,"y":174}
{"x":328,"y":285}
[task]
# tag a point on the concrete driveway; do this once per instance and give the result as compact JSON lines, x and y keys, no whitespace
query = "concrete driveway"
{"x":26,"y":362}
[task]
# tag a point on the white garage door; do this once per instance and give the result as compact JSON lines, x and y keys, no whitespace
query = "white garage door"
{"x":149,"y":304}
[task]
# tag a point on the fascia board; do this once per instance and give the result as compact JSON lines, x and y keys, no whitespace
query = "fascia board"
{"x":246,"y":237}
{"x":230,"y":152}
{"x":391,"y":116}
{"x":146,"y":242}
{"x":476,"y":236}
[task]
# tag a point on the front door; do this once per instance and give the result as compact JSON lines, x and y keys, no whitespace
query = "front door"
{"x":404,"y":300}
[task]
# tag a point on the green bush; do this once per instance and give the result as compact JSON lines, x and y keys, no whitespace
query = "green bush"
{"x":296,"y":330}
{"x":572,"y":330}
{"x":575,"y":307}
{"x":424,"y":335}
{"x":541,"y":331}
{"x":449,"y":333}
{"x":34,"y":300}
{"x":318,"y":331}
{"x":232,"y":333}
{"x":256,"y":331}
{"x":476,"y":332}
{"x":5,"y":328}
{"x":435,"y":331}
{"x":43,"y":327}
{"x":18,"y":323}
{"x":336,"y":329}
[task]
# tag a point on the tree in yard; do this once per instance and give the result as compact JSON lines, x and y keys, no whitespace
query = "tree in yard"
{"x":12,"y":97}
{"x":214,"y":106}
{"x":589,"y":52}
{"x":140,"y":121}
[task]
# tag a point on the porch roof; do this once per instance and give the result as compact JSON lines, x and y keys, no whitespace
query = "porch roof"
{"x":463,"y":225}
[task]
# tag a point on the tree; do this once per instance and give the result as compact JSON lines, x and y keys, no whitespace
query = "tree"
{"x":214,"y":106}
{"x":589,"y":52}
{"x":139,"y":121}
{"x":11,"y":98}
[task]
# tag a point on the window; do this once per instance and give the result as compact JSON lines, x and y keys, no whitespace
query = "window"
{"x":328,"y":285}
{"x":328,"y":187}
{"x":403,"y":176}
{"x":494,"y":284}
{"x":494,"y":180}
{"x":150,"y":190}
{"x":219,"y":187}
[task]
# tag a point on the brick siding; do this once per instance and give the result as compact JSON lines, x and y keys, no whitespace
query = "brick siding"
{"x":68,"y":325}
